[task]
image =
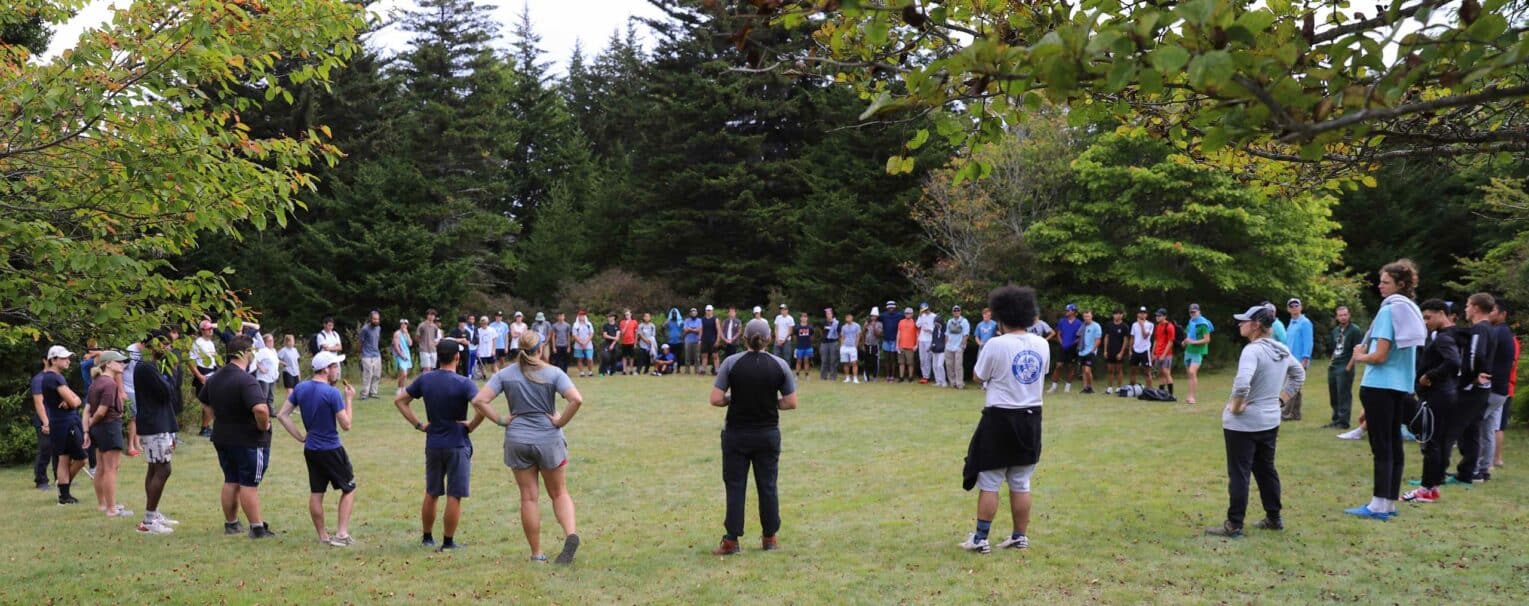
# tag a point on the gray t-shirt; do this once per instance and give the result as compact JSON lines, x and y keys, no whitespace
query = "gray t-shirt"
{"x":560,"y":334}
{"x":369,"y":336}
{"x":532,"y":403}
{"x":850,"y":333}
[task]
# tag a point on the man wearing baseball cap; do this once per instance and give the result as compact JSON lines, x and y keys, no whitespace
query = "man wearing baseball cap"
{"x":204,"y":360}
{"x":241,"y":434}
{"x":957,"y":330}
{"x":1299,"y":336}
{"x":754,"y":387}
{"x":1196,"y":345}
{"x":784,"y":325}
{"x":325,"y":412}
{"x":58,"y":413}
{"x":891,"y":319}
{"x":1067,"y":332}
{"x":1164,"y":335}
{"x":926,"y":358}
{"x":448,"y":449}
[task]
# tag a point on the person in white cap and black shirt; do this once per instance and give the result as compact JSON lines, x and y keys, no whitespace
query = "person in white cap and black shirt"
{"x":754,"y":386}
{"x":1267,"y":375}
{"x":58,"y":412}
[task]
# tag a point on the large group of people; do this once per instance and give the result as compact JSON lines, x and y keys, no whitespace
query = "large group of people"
{"x":1419,"y":362}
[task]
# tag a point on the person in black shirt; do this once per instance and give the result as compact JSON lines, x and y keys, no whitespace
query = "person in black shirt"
{"x":754,"y":386}
{"x":610,"y":349}
{"x":1438,"y":367}
{"x":1477,"y":350}
{"x":463,"y":334}
{"x":1504,"y":360}
{"x":58,"y":412}
{"x":157,"y":405}
{"x":241,"y":433}
{"x":1115,"y":333}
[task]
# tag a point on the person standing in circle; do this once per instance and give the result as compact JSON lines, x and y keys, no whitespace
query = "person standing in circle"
{"x":58,"y":412}
{"x":403,"y":358}
{"x":1268,"y":375}
{"x":1389,"y":353}
{"x":754,"y":386}
{"x":534,"y":445}
{"x":1006,"y":446}
{"x":326,"y":411}
{"x":448,"y":449}
{"x":1196,"y":346}
{"x":104,"y":405}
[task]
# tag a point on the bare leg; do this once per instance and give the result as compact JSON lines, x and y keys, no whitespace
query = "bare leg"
{"x":987,"y":505}
{"x":1497,"y":454}
{"x":249,"y":501}
{"x":111,"y":461}
{"x":453,"y":515}
{"x":347,"y":505}
{"x":1194,"y":383}
{"x":1019,"y":507}
{"x":530,"y":516}
{"x":562,"y":502}
{"x":316,"y":513}
{"x":154,"y":484}
{"x":230,"y":502}
{"x":427,"y":514}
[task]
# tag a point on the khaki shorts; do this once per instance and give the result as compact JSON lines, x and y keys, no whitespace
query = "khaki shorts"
{"x":908,"y":356}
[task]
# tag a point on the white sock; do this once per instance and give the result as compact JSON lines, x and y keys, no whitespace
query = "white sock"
{"x":1377,"y":505}
{"x":1390,"y":505}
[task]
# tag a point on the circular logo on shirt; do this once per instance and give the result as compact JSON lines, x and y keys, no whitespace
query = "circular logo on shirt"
{"x":1027,"y":367}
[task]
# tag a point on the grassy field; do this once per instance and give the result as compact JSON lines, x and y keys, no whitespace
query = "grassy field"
{"x":872,"y":508}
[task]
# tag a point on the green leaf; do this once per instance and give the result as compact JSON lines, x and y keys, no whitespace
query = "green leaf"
{"x":1488,"y":27}
{"x":1256,"y":21}
{"x":1120,"y":75}
{"x":919,"y":139}
{"x":1169,"y":58}
{"x":1196,"y":11}
{"x":1211,"y":70}
{"x":1214,"y":139}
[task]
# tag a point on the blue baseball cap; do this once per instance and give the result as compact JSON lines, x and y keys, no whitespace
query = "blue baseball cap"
{"x":1194,"y":307}
{"x":1071,"y":307}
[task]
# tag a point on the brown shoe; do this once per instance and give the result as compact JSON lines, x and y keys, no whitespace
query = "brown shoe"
{"x":1270,"y":524}
{"x":728,"y":547}
{"x":1226,"y":530}
{"x":770,"y":544}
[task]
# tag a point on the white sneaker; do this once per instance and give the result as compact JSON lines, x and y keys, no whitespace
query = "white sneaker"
{"x":978,"y":546}
{"x":154,"y":527}
{"x":1352,"y":434}
{"x":1019,"y":542}
{"x":856,"y":381}
{"x":1109,"y":390}
{"x":90,"y":471}
{"x":1067,"y":389}
{"x":846,"y":379}
{"x":160,"y":517}
{"x":1053,"y":388}
{"x":119,"y":512}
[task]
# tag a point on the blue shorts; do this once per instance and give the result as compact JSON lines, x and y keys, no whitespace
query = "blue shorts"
{"x":447,"y":471}
{"x":243,"y":466}
{"x":889,"y":346}
{"x":66,"y":436}
{"x":804,"y":352}
{"x":1191,"y":359}
{"x":580,"y":353}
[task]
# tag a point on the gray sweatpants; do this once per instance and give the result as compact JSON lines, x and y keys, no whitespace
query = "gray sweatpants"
{"x":829,"y":358}
{"x":1491,"y":420}
{"x":925,"y":360}
{"x":954,"y":368}
{"x":371,"y":376}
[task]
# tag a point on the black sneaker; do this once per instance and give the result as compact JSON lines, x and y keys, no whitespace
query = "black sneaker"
{"x":450,"y":547}
{"x":206,"y":432}
{"x":1270,"y":524}
{"x":232,"y":528}
{"x":62,"y":500}
{"x":570,"y":546}
{"x":44,"y":486}
{"x":1088,"y":390}
{"x":261,"y":532}
{"x":427,"y":543}
{"x":1225,"y":530}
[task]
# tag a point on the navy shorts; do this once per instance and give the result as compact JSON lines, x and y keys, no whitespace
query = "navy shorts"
{"x":448,"y":471}
{"x":1087,"y":360}
{"x":329,"y":468}
{"x":106,"y":435}
{"x":242,"y":465}
{"x":67,"y":436}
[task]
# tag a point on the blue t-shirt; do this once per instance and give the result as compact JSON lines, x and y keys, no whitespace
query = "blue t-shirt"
{"x":85,"y":366}
{"x":666,"y":357}
{"x":986,"y":329}
{"x":850,"y":333}
{"x":1068,"y":329}
{"x":692,"y":324}
{"x":889,"y":322}
{"x":319,"y":403}
{"x":1399,"y":372}
{"x":502,"y":332}
{"x":447,"y":396}
{"x":674,"y":331}
{"x":1091,"y":334}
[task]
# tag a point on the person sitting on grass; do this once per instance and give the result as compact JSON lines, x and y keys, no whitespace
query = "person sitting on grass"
{"x":1006,"y":446}
{"x":664,"y":363}
{"x":534,"y":445}
{"x":1267,"y":376}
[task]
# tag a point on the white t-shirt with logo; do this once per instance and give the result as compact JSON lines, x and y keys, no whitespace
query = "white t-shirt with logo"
{"x":925,"y":324}
{"x":783,"y":326}
{"x":204,"y":353}
{"x":1013,"y":366}
{"x":1141,"y":337}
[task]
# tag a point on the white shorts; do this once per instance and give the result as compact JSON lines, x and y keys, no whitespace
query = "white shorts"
{"x":1018,"y":478}
{"x":848,"y":354}
{"x":427,"y":359}
{"x":157,"y":447}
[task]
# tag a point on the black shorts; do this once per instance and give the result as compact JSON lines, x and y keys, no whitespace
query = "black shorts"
{"x":448,"y":471}
{"x":196,"y":384}
{"x":1113,"y":356}
{"x":628,"y":351}
{"x":288,"y":381}
{"x":1140,"y":358}
{"x":486,"y":361}
{"x":329,"y":468}
{"x":502,"y":353}
{"x":67,"y":436}
{"x":243,"y":465}
{"x":106,"y":436}
{"x":1069,"y":355}
{"x":1087,"y":360}
{"x":708,"y":346}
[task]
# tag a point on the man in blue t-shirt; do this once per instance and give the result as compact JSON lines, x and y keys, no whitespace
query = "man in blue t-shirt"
{"x":325,"y":412}
{"x":58,"y":421}
{"x":693,"y":342}
{"x":889,"y":319}
{"x":663,"y":364}
{"x":1088,"y":348}
{"x":1067,"y":330}
{"x":448,"y":450}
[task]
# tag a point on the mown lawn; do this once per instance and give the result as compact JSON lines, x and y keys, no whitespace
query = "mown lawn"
{"x":871,"y":500}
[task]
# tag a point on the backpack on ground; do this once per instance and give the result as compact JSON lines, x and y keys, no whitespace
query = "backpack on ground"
{"x":1156,"y":395}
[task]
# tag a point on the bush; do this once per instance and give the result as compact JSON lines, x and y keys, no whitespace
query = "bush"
{"x":613,"y":290}
{"x":18,"y":441}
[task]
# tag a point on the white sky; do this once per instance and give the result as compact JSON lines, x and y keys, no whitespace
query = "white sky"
{"x":559,"y":22}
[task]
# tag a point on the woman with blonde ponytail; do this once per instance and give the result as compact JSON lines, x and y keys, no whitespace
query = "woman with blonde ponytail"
{"x":534,"y":446}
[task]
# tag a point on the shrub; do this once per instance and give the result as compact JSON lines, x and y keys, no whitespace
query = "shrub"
{"x":612,"y":290}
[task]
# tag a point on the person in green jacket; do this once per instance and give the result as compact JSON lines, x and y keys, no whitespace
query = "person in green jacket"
{"x":1340,"y":374}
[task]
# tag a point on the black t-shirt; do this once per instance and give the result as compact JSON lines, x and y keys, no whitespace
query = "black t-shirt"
{"x":1503,"y":358}
{"x":1115,"y":336}
{"x":153,"y":399}
{"x":709,"y":330}
{"x":757,"y":380}
{"x":233,"y":394}
{"x":47,"y":383}
{"x":1476,"y":349}
{"x":460,"y":333}
{"x":611,"y":333}
{"x":803,"y":336}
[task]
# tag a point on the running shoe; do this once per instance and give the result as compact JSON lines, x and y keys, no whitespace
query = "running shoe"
{"x":1363,"y":511}
{"x":1226,"y":530}
{"x":1352,"y":434}
{"x":1270,"y":524}
{"x":972,"y":544}
{"x":119,"y":512}
{"x":154,"y":527}
{"x":1013,"y":542}
{"x":68,"y":501}
{"x":570,"y":547}
{"x":233,"y":528}
{"x":341,"y":541}
{"x":727,"y":547}
{"x":160,"y":517}
{"x":769,"y":543}
{"x":1421,"y":495}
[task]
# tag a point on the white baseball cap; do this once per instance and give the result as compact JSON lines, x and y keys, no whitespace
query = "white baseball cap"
{"x":757,"y":309}
{"x":325,"y":359}
{"x":709,"y":307}
{"x":58,"y":351}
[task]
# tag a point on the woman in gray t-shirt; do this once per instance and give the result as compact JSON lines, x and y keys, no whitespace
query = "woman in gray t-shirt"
{"x":534,"y":447}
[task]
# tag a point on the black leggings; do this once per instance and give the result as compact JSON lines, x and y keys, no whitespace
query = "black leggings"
{"x":1383,"y":418}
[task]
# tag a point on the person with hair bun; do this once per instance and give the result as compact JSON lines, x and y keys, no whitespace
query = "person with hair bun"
{"x":1268,"y":376}
{"x":534,"y":445}
{"x":1389,"y":353}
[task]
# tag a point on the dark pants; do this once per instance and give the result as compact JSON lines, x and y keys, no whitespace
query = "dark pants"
{"x":1472,"y":405}
{"x":761,"y":449}
{"x":870,"y":361}
{"x":1340,"y":392}
{"x":560,"y":357}
{"x":1448,"y":423}
{"x":44,"y":455}
{"x":1383,"y":417}
{"x":1251,"y":452}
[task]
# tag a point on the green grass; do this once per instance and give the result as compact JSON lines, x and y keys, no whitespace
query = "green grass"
{"x":872,"y":508}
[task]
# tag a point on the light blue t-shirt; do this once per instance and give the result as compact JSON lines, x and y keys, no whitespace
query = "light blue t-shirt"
{"x":956,"y":331}
{"x":693,"y":324}
{"x":1399,"y":372}
{"x":1091,"y":334}
{"x":502,"y":330}
{"x":850,"y":333}
{"x":986,"y":329}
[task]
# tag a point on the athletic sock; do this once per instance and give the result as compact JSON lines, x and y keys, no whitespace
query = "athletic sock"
{"x":63,"y":489}
{"x":983,"y":526}
{"x":1016,"y":535}
{"x":448,"y":542}
{"x":1377,"y":505}
{"x":427,"y":538}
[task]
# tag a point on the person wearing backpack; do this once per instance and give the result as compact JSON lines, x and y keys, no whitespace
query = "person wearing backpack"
{"x":937,"y":350}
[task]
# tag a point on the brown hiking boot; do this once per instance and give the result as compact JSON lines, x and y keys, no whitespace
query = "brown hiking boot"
{"x":1270,"y":524}
{"x":1226,"y":529}
{"x":726,"y":548}
{"x":770,"y":544}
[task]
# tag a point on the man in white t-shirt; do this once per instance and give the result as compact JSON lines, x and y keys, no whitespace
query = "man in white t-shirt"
{"x":329,"y":340}
{"x":784,"y":324}
{"x":1141,"y":347}
{"x":925,"y":324}
{"x":1007,"y":443}
{"x":204,"y":361}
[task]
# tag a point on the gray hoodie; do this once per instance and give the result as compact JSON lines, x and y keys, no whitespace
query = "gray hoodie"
{"x":1265,"y":368}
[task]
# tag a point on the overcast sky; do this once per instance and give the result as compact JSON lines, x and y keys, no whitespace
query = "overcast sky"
{"x":559,"y":22}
